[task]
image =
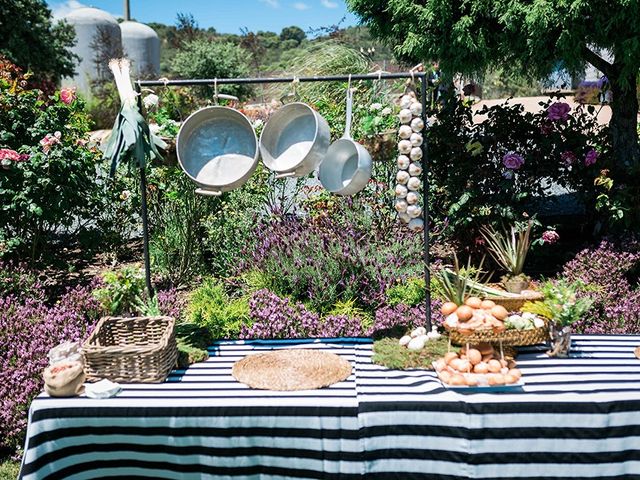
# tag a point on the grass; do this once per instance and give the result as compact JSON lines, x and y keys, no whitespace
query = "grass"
{"x":9,"y":469}
{"x":389,"y":353}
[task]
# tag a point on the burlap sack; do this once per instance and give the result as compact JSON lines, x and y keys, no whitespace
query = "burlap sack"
{"x":64,"y":379}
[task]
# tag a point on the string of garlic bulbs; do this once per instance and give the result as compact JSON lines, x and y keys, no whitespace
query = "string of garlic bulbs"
{"x":408,"y":202}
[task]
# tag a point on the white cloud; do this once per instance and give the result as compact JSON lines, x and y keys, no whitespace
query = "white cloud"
{"x":60,"y":9}
{"x":328,"y":4}
{"x":271,"y":3}
{"x":301,"y":6}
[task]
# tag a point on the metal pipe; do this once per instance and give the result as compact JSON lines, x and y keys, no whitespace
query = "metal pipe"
{"x":425,"y":207}
{"x":238,"y":81}
{"x":145,"y":217}
{"x":126,"y":11}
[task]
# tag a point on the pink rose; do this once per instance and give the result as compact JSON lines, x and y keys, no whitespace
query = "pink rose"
{"x":7,"y":156}
{"x":590,"y":158}
{"x":513,"y":161}
{"x":67,"y":95}
{"x":558,"y":111}
{"x":568,"y":157}
{"x":550,"y":237}
{"x":49,"y":141}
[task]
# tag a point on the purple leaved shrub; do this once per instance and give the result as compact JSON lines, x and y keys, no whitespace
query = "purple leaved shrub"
{"x":28,"y":330}
{"x":170,"y":303}
{"x":320,"y":260}
{"x":398,"y":319}
{"x":276,"y":317}
{"x":609,"y":273}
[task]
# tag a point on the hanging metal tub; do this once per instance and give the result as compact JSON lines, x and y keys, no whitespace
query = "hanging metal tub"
{"x":218,"y":149}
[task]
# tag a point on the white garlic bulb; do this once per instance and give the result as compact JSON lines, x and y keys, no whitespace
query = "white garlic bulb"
{"x":404,"y":340}
{"x":416,"y":108}
{"x":415,"y":138}
{"x":414,"y":211}
{"x":403,"y":162}
{"x":415,"y":153}
{"x":416,"y":225}
{"x":416,"y":344}
{"x":411,"y":197}
{"x":404,"y":218}
{"x":414,"y":184}
{"x":402,"y":177}
{"x":404,"y":146}
{"x":417,"y":124}
{"x":405,"y":116}
{"x":415,"y":169}
{"x":401,"y":191}
{"x":401,"y":206}
{"x":418,"y":332}
{"x":405,"y":132}
{"x":405,"y":101}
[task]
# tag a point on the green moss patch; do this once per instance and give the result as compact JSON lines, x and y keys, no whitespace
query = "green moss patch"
{"x":389,"y":353}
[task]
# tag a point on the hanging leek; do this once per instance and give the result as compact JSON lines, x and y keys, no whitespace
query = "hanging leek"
{"x":131,"y":140}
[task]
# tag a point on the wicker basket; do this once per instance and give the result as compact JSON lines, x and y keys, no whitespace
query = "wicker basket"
{"x":133,"y":350}
{"x":515,"y":304}
{"x":515,"y":338}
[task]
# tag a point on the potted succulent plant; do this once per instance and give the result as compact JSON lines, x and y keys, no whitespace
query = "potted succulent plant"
{"x":562,"y":307}
{"x":509,"y":250}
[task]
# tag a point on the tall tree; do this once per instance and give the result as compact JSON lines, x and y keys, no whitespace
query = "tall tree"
{"x":532,"y":36}
{"x":30,"y":39}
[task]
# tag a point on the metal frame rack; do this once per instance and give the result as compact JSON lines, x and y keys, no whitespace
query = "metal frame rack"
{"x":331,"y":78}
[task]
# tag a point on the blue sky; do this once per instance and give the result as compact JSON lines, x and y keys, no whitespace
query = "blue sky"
{"x":226,"y":16}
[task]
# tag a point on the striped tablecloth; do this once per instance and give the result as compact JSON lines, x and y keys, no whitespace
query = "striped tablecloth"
{"x":574,"y":418}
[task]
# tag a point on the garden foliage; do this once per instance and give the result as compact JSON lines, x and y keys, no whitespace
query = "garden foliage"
{"x":492,"y":172}
{"x":610,"y":275}
{"x":47,"y":173}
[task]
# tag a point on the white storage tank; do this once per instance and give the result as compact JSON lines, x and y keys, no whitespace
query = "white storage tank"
{"x":141,"y":45}
{"x":98,"y":38}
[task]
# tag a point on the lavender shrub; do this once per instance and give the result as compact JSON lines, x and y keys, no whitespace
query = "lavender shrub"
{"x":276,"y":317}
{"x":320,"y":260}
{"x":28,"y":330}
{"x":609,"y":272}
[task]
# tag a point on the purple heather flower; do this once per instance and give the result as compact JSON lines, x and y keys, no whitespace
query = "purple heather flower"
{"x":590,"y":158}
{"x":550,"y":237}
{"x":558,"y":111}
{"x":568,"y":157}
{"x":513,"y":160}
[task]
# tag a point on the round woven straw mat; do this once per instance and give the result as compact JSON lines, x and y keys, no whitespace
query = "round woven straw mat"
{"x":291,"y":369}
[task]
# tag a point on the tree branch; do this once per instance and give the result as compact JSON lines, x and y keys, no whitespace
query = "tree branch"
{"x":597,"y":61}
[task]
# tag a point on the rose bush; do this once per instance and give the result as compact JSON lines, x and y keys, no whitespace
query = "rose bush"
{"x":491,"y":170}
{"x":48,"y":176}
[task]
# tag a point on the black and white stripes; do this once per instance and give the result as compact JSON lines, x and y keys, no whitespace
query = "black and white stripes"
{"x":574,"y":418}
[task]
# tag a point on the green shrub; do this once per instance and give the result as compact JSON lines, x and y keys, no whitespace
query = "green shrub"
{"x":411,"y":292}
{"x":176,"y":215}
{"x":210,"y":306}
{"x":203,"y":58}
{"x":123,"y":291}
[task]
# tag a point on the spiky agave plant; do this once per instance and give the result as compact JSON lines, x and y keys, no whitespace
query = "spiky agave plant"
{"x":458,"y":284}
{"x":509,"y":249}
{"x":130,"y":140}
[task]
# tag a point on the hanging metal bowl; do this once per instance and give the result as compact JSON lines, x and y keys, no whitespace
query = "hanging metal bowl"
{"x":346,"y":168}
{"x":294,"y":140}
{"x":218,"y":149}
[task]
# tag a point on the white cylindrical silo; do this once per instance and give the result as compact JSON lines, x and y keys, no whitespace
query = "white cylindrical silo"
{"x":141,"y":45}
{"x":98,"y":38}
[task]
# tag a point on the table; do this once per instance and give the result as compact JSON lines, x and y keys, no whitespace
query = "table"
{"x":574,"y":418}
